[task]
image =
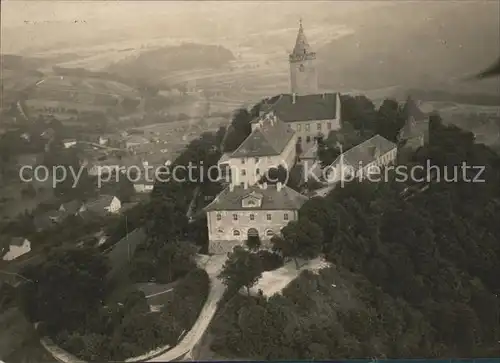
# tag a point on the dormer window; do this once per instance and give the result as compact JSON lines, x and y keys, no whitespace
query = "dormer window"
{"x":252,"y":200}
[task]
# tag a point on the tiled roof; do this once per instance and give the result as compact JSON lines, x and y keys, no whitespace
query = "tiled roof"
{"x":100,"y":203}
{"x":363,"y":154}
{"x":272,"y":198}
{"x":17,"y":241}
{"x":306,"y":107}
{"x":416,"y":123}
{"x":224,"y":158}
{"x":270,"y":138}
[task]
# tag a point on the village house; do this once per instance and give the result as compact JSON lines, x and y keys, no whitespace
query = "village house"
{"x":135,"y":140}
{"x":270,"y":144}
{"x":258,"y":210}
{"x":17,"y":247}
{"x":361,"y":160}
{"x":69,"y":143}
{"x":105,"y":204}
{"x":143,"y":185}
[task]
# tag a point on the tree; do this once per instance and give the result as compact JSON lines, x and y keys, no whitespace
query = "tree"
{"x":175,"y":259}
{"x":242,"y":268}
{"x":125,"y":189}
{"x":300,"y":239}
{"x":253,"y":243}
{"x":390,"y":119}
{"x":68,"y":285}
{"x":275,"y":175}
{"x":239,"y":130}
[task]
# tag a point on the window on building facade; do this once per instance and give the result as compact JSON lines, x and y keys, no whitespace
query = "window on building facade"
{"x":269,"y":233}
{"x":242,"y":184}
{"x":257,"y":171}
{"x":299,"y":139}
{"x":219,"y":216}
{"x":252,"y":217}
{"x":243,"y":172}
{"x":299,"y":127}
{"x":268,"y":217}
{"x":318,"y":126}
{"x":220,"y":230}
{"x":307,"y":127}
{"x":236,"y":232}
{"x":243,"y":161}
{"x":329,"y":125}
{"x":256,"y":159}
{"x":235,"y":217}
{"x":285,"y":216}
{"x":308,"y":139}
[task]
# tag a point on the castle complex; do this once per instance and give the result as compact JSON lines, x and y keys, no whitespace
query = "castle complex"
{"x":304,"y":116}
{"x":287,"y":129}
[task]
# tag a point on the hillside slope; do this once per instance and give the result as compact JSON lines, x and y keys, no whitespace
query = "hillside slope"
{"x":424,"y":44}
{"x":156,"y":62}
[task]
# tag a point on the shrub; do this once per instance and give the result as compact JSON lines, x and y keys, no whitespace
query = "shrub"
{"x":270,"y":260}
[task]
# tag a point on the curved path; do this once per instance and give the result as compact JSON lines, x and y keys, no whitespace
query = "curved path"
{"x":183,"y":350}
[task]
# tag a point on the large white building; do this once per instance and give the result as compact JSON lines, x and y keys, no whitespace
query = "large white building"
{"x":259,"y":210}
{"x":270,"y":144}
{"x":364,"y":159}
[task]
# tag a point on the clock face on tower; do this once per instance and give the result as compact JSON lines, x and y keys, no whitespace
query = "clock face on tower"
{"x":301,"y":68}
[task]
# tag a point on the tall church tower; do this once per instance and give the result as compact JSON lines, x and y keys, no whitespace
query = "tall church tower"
{"x":303,"y":76}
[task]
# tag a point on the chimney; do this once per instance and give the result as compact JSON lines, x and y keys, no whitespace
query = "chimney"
{"x":294,"y":98}
{"x":279,"y":186}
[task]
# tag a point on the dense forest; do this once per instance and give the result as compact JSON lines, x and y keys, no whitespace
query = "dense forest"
{"x":414,"y":277}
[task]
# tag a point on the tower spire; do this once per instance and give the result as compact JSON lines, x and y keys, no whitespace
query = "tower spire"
{"x":301,"y":45}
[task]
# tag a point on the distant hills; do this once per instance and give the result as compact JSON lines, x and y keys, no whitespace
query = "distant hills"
{"x":160,"y":61}
{"x":414,"y":44}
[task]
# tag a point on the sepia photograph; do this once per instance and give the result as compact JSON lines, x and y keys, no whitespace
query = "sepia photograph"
{"x":249,"y":181}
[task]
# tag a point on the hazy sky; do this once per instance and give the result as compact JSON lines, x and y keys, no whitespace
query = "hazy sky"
{"x":38,"y":24}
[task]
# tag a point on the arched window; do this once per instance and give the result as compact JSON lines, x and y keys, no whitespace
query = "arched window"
{"x":269,"y":233}
{"x":236,"y":232}
{"x":252,"y":232}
